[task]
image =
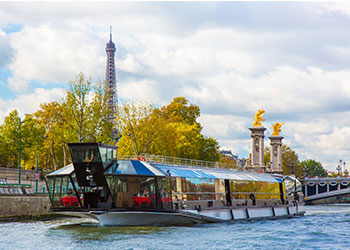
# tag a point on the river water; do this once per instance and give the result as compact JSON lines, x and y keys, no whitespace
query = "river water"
{"x":322,"y":227}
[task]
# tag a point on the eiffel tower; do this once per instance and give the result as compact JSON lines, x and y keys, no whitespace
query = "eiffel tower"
{"x":111,"y":81}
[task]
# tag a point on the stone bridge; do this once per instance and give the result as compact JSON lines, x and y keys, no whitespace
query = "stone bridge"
{"x":326,"y":190}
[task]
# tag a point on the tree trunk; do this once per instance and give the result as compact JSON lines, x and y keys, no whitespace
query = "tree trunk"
{"x":64,"y":156}
{"x":53,"y":157}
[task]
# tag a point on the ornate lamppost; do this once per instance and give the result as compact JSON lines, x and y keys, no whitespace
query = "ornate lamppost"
{"x":339,"y":168}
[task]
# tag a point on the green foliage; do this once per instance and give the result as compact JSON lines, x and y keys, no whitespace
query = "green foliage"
{"x":81,"y":114}
{"x":290,"y":161}
{"x":9,"y":131}
{"x":171,"y":130}
{"x":227,"y":160}
{"x":267,"y":156}
{"x":86,"y":111}
{"x":313,"y":168}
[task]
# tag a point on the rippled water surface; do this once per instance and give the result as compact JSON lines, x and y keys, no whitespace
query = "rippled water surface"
{"x":323,"y":227}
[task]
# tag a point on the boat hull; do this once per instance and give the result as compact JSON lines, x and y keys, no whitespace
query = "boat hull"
{"x":187,"y":217}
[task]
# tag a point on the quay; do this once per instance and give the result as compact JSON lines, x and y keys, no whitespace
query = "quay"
{"x":22,"y":200}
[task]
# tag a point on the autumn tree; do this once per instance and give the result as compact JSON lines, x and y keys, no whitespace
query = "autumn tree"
{"x":290,"y":161}
{"x":228,"y":160}
{"x":9,"y":138}
{"x":50,"y":118}
{"x":313,"y":168}
{"x":170,"y":130}
{"x":9,"y":131}
{"x":86,"y":110}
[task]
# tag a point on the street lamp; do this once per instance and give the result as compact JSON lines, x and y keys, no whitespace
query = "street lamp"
{"x":20,"y":150}
{"x":339,"y":168}
{"x":116,"y":136}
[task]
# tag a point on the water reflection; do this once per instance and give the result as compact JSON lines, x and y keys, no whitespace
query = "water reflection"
{"x":90,"y":231}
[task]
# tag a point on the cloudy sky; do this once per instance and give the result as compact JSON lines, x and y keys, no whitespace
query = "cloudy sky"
{"x":230,"y":58}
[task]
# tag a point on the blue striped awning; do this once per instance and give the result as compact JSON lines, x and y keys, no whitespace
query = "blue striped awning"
{"x":133,"y":167}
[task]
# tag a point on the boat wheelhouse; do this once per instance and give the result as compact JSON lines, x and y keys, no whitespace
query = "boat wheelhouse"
{"x":150,"y":192}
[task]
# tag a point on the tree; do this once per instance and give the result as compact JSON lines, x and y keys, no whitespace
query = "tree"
{"x":170,"y":130}
{"x":267,"y":156}
{"x":228,"y":160}
{"x":290,"y":161}
{"x":138,"y":128}
{"x":86,"y":110}
{"x":10,"y":137}
{"x":179,"y":111}
{"x":50,"y":118}
{"x":82,"y":115}
{"x":313,"y":168}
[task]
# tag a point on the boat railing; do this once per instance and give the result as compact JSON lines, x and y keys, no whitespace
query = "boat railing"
{"x":178,"y":161}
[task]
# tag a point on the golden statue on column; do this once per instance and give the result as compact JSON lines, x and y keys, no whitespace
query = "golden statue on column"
{"x":258,"y":118}
{"x":277,"y":128}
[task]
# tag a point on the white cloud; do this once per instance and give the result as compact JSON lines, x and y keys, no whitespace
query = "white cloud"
{"x":329,"y":7}
{"x":50,"y":54}
{"x":139,"y":90}
{"x":220,"y":56}
{"x":29,"y":103}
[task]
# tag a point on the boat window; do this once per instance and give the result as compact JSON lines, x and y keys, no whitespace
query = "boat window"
{"x":85,"y":154}
{"x":107,"y":154}
{"x":261,"y":190}
{"x":164,"y":192}
{"x":50,"y":186}
{"x":62,"y":192}
{"x":139,"y":191}
{"x":103,"y":152}
{"x":186,"y":189}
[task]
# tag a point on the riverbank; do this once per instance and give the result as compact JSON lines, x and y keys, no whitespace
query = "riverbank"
{"x":21,"y":206}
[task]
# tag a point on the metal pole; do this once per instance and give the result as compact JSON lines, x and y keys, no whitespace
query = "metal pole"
{"x":19,"y":153}
{"x":37,"y":169}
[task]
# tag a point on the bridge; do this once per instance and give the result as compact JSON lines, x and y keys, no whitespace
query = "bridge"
{"x":326,"y":190}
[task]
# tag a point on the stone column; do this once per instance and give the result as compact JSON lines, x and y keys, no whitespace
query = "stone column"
{"x":257,"y":155}
{"x":276,"y":154}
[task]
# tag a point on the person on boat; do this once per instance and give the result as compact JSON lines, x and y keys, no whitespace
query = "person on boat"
{"x":164,"y":193}
{"x":145,"y":193}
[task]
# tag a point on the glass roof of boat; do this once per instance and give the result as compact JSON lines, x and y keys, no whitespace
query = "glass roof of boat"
{"x":67,"y":170}
{"x":132,"y":167}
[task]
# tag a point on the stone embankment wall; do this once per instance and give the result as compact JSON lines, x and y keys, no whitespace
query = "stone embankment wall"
{"x":24,"y":205}
{"x":16,"y":205}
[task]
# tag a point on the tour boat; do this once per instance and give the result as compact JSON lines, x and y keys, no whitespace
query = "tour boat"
{"x":163,"y":191}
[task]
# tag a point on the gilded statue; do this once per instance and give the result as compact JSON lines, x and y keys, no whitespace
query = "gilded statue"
{"x":277,"y":128}
{"x":258,"y":118}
